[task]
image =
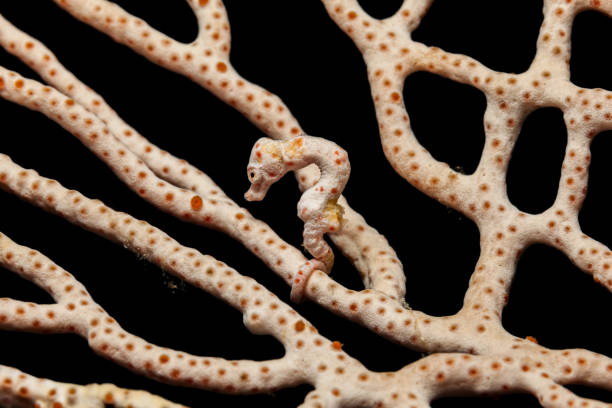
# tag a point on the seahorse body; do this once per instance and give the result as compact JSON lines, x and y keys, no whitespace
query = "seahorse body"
{"x":318,"y":208}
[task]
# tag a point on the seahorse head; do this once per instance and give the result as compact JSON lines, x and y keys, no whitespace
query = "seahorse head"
{"x":266,"y":166}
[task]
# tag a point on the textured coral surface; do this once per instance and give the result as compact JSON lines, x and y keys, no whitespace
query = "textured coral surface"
{"x":296,"y":51}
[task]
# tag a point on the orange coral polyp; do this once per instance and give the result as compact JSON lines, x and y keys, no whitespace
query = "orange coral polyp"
{"x":196,"y":203}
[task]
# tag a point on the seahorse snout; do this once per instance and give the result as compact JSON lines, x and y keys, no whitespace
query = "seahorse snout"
{"x":257,"y":192}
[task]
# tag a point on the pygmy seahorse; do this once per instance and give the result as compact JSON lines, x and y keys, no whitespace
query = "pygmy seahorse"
{"x":318,"y":207}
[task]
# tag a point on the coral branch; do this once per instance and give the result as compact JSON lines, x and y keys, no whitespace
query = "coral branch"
{"x":377,"y":263}
{"x":18,"y":389}
{"x":588,"y":254}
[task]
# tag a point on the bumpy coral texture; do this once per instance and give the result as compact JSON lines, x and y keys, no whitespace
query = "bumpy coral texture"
{"x":470,"y":352}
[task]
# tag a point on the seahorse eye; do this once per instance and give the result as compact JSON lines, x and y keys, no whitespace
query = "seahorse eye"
{"x":252,"y":176}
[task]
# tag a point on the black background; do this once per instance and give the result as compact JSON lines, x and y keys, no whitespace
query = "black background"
{"x":293,"y":49}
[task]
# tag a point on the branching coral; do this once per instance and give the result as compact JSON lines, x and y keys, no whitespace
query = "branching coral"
{"x":471,"y":352}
